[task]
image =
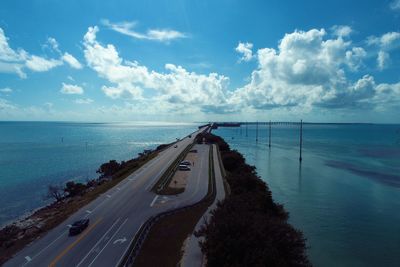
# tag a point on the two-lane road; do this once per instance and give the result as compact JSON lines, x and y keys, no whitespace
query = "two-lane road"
{"x":115,"y":217}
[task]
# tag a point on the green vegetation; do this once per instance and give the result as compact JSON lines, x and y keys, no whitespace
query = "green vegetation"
{"x":248,"y":228}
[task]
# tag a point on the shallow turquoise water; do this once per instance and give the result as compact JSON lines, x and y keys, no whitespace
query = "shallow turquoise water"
{"x":344,"y":196}
{"x":36,"y":154}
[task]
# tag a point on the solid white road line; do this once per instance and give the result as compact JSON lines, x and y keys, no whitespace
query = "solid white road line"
{"x":127,"y":247}
{"x":107,"y":242}
{"x":97,"y":243}
{"x":154,"y":200}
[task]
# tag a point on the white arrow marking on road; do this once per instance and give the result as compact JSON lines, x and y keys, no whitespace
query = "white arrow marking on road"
{"x":154,"y":200}
{"x":121,"y":240}
{"x":28,"y":259}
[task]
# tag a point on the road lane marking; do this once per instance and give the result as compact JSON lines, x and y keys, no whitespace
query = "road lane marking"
{"x":40,"y":252}
{"x":94,"y":248}
{"x":28,"y":259}
{"x":72,"y":245}
{"x":127,"y":247}
{"x":119,"y":189}
{"x":88,"y":211}
{"x":69,"y":225}
{"x":121,"y":240}
{"x":108,"y":196}
{"x":154,"y":200}
{"x":107,"y":242}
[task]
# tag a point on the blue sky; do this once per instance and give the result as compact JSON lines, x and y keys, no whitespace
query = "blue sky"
{"x":329,"y":61}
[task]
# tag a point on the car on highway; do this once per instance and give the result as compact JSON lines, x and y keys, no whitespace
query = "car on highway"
{"x":193,"y":151}
{"x":175,"y":146}
{"x":78,"y":226}
{"x":186,"y":162}
{"x":184,"y":168}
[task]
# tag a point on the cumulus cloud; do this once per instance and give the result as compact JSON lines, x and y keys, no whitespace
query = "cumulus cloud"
{"x":16,"y":61}
{"x":384,"y":44}
{"x":84,"y":101}
{"x":342,"y":30}
{"x":309,"y":69}
{"x":71,"y":89}
{"x":245,"y":49}
{"x":41,"y":64}
{"x":161,"y":35}
{"x":382,"y":59}
{"x":72,"y":61}
{"x":53,"y":44}
{"x":176,"y":87}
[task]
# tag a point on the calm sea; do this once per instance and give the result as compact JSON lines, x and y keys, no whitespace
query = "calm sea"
{"x":344,"y":196}
{"x":36,"y":154}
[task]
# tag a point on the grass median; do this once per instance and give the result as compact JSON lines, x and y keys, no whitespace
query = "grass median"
{"x":166,"y":237}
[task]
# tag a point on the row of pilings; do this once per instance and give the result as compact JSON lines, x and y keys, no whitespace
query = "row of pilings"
{"x":269,"y":125}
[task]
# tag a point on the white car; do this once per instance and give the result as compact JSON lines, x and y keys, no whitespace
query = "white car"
{"x":186,"y":162}
{"x":183,"y":168}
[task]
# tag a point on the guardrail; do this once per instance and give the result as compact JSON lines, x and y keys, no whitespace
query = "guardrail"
{"x":140,"y":237}
{"x":170,"y":171}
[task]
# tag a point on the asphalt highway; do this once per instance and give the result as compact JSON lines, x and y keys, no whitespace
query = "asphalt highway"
{"x":116,"y":216}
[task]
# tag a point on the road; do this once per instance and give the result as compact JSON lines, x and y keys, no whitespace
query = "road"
{"x":193,"y":256}
{"x":116,"y":216}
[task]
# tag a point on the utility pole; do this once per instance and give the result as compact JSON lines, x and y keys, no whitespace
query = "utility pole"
{"x":301,"y":139}
{"x":269,"y":134}
{"x":257,"y":131}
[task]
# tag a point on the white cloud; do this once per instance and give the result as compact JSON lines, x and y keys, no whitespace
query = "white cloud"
{"x":342,"y":30}
{"x":385,"y":44}
{"x":71,"y":89}
{"x":246,"y":50}
{"x":5,"y":105}
{"x":52,"y":42}
{"x":84,"y":101}
{"x":382,"y":59}
{"x":6,"y":90}
{"x":41,"y":64}
{"x":162,"y":35}
{"x":175,"y":88}
{"x":309,"y":70}
{"x":71,"y":60}
{"x":16,"y":61}
{"x":395,"y":5}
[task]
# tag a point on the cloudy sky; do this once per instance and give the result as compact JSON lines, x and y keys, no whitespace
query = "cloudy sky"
{"x":198,"y":60}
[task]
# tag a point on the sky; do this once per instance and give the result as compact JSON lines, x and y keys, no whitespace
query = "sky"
{"x":200,"y":60}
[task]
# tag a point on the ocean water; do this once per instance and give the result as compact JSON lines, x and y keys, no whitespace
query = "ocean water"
{"x":344,"y":196}
{"x":36,"y":154}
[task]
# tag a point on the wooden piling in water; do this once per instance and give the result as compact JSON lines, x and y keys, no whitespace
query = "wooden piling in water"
{"x":257,"y":131}
{"x":301,"y":139}
{"x":269,"y":139}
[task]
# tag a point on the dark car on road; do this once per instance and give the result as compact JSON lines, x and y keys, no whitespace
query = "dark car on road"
{"x":78,"y":226}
